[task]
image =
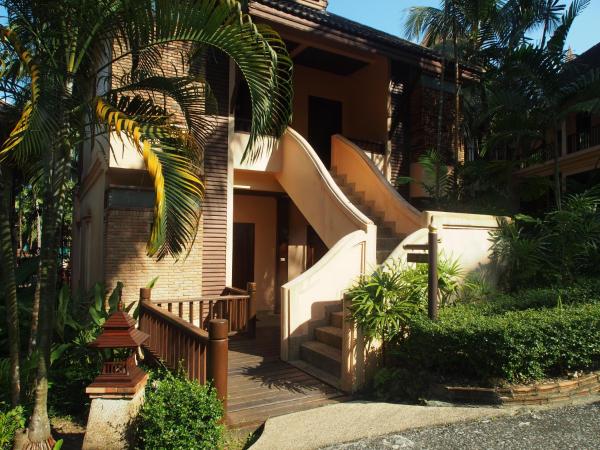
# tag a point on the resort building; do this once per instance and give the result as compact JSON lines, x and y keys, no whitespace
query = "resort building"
{"x":303,"y":220}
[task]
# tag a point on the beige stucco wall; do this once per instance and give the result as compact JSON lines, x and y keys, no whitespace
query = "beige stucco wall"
{"x":364,"y":96}
{"x":88,"y":231}
{"x":262,"y":212}
{"x":465,"y":237}
{"x":349,"y":161}
{"x":267,"y":158}
{"x":256,"y":181}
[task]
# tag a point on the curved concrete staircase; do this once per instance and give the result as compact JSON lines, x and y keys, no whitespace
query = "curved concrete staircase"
{"x":365,"y":222}
{"x":387,"y":238}
{"x":362,"y":219}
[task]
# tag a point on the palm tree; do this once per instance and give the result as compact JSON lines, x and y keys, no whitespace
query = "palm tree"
{"x":533,"y":89}
{"x":60,"y":54}
{"x":463,"y":22}
{"x":8,"y":280}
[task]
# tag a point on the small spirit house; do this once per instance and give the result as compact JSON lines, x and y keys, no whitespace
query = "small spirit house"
{"x":119,"y":378}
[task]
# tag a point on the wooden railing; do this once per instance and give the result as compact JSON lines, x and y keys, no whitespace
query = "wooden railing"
{"x":180,"y":345}
{"x":584,"y":140}
{"x":235,"y":305}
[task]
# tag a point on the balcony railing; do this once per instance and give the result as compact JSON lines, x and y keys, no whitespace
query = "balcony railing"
{"x":581,"y":141}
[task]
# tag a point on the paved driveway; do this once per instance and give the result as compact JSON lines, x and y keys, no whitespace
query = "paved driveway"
{"x":572,"y":427}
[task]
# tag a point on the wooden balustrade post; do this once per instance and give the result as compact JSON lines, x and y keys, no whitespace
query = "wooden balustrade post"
{"x":217,"y":356}
{"x":433,"y":272}
{"x":145,"y":294}
{"x":251,"y":288}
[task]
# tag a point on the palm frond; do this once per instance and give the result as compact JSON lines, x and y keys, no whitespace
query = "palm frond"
{"x":193,"y":97}
{"x":178,"y":188}
{"x":27,"y":135}
{"x":257,"y":50}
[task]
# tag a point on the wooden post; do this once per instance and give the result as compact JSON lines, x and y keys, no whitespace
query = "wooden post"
{"x":433,"y":272}
{"x":145,"y":294}
{"x":217,"y":362}
{"x":251,"y":288}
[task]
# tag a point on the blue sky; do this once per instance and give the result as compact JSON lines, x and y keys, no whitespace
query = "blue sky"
{"x":388,"y":15}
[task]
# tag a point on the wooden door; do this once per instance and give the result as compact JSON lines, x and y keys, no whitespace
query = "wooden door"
{"x":243,"y":254}
{"x":324,"y":120}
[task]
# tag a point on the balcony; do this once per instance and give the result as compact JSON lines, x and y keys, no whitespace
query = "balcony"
{"x":581,"y":141}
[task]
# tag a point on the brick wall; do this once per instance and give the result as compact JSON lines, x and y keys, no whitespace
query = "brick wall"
{"x":127,"y":230}
{"x":125,"y":259}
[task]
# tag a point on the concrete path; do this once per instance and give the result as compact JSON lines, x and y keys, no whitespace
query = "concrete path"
{"x":353,"y":421}
{"x":571,"y":427}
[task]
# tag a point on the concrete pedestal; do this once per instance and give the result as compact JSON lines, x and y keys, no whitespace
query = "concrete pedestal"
{"x":109,"y":423}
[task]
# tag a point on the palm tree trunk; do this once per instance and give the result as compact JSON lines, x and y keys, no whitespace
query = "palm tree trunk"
{"x":7,"y":275}
{"x":441,"y":102}
{"x":35,"y":308}
{"x":20,"y":225}
{"x":557,"y":183}
{"x":456,"y":102}
{"x":38,"y":224}
{"x":35,"y":313}
{"x":39,"y":434}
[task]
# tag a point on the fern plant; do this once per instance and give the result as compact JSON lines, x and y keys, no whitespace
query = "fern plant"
{"x":553,"y":249}
{"x":384,"y":302}
{"x":437,"y":181}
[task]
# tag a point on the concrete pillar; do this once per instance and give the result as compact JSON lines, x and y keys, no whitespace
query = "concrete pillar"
{"x":109,"y":422}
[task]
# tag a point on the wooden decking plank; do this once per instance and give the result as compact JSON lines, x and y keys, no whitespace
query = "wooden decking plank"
{"x":256,"y":417}
{"x":263,"y":386}
{"x":270,"y":401}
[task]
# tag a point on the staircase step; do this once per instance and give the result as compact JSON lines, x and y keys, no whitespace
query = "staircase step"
{"x":382,"y":255}
{"x":387,"y":243}
{"x":390,"y":225}
{"x":337,"y":319}
{"x":329,"y":335}
{"x":322,"y":356}
{"x":317,"y":373}
{"x":384,"y":232}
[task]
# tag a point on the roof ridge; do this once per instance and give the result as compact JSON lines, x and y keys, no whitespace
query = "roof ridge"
{"x":344,"y":24}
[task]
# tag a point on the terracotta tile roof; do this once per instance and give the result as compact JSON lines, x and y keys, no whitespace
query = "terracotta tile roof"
{"x":591,"y":57}
{"x":339,"y":23}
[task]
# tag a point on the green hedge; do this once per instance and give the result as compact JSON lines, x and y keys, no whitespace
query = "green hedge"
{"x":180,"y":414}
{"x":470,"y":342}
{"x":584,"y":291}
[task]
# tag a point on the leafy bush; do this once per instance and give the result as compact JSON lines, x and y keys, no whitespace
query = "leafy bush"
{"x":554,"y":249}
{"x":180,"y":414}
{"x":10,"y":421}
{"x":384,"y":302}
{"x":74,"y":365}
{"x":472,"y":342}
{"x":381,"y":305}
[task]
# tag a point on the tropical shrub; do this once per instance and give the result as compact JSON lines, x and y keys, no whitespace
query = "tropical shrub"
{"x":383,"y":302}
{"x":553,"y":249}
{"x":180,"y":414}
{"x":10,"y":421}
{"x":74,"y":365}
{"x":469,"y":342}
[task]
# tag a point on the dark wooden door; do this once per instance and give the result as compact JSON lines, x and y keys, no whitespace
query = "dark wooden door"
{"x":324,"y":120}
{"x":243,"y":254}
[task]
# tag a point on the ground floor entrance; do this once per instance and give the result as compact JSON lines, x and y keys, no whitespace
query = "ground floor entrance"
{"x":273,"y":243}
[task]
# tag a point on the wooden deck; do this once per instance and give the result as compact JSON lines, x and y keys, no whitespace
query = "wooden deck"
{"x":263,"y":386}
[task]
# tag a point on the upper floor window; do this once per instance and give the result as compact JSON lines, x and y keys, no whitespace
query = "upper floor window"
{"x":243,"y":107}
